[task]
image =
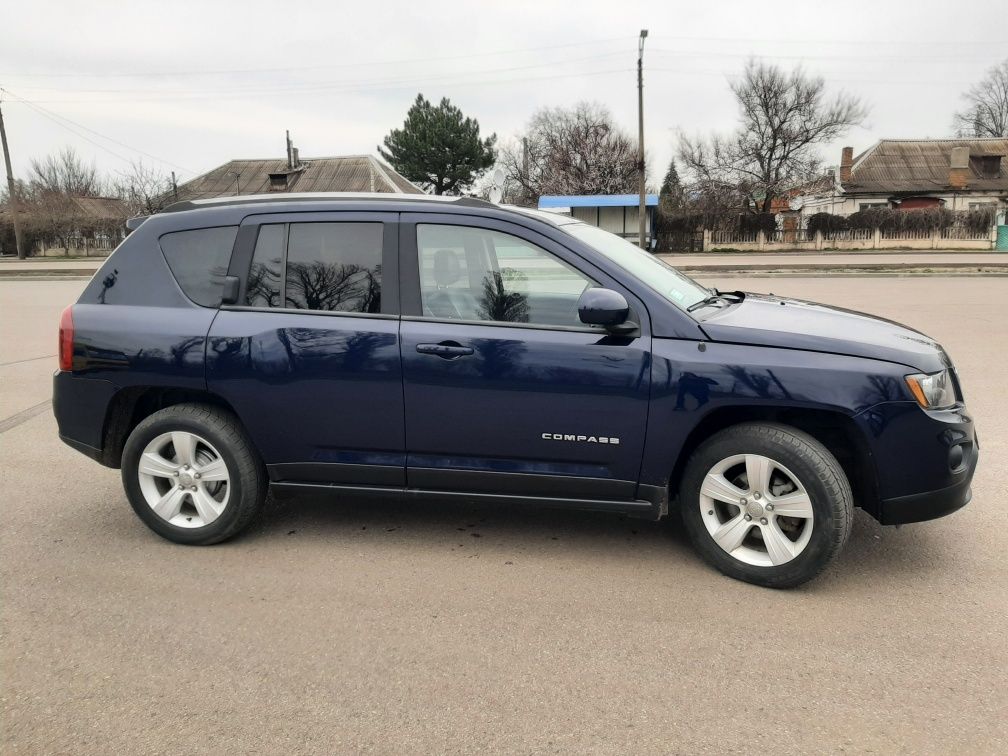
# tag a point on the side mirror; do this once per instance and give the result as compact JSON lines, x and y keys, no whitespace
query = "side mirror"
{"x":232,"y":287}
{"x":606,"y":308}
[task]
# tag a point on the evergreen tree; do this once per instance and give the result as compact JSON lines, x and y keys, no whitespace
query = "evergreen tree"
{"x":672,"y":195}
{"x":439,"y":148}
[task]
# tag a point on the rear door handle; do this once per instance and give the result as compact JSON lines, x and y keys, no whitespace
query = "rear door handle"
{"x":448,"y":350}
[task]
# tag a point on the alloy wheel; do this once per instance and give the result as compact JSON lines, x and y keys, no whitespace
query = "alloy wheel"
{"x":184,"y":479}
{"x":756,"y":510}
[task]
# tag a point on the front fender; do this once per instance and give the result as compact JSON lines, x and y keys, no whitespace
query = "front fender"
{"x":690,"y":380}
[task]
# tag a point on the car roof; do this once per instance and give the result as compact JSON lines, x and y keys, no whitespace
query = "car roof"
{"x":377,"y":197}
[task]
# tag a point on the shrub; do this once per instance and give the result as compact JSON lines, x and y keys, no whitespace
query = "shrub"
{"x":826,"y":223}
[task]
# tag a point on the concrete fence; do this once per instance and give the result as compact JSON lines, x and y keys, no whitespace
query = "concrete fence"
{"x":854,"y":239}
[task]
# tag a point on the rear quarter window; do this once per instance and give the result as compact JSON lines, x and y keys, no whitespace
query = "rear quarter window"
{"x":199,"y":261}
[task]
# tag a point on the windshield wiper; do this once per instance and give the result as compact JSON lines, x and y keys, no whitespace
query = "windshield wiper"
{"x":731,"y":297}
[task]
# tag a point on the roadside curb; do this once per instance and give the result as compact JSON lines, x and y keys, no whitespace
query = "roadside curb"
{"x":839,"y":273}
{"x":50,"y":274}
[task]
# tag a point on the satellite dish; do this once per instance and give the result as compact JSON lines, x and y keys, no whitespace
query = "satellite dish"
{"x":498,"y":177}
{"x":496,"y":194}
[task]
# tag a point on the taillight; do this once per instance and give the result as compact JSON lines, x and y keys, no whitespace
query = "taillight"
{"x":66,"y":339}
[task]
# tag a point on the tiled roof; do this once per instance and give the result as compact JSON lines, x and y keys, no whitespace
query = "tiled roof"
{"x":101,"y":208}
{"x":353,"y":173}
{"x":94,"y":209}
{"x":922,"y":165}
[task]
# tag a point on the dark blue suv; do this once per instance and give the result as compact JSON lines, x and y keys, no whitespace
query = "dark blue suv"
{"x":456,"y":350}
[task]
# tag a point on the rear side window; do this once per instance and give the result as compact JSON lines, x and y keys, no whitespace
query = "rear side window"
{"x":199,"y":260}
{"x":332,"y":267}
{"x":266,"y":273}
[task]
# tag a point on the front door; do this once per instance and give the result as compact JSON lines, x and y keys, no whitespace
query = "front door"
{"x":506,"y":391}
{"x":309,"y":357}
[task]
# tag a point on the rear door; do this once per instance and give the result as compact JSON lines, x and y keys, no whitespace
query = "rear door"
{"x":506,"y":391}
{"x":309,"y":358}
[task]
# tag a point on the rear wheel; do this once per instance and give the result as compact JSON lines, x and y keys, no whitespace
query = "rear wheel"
{"x":191,"y":474}
{"x":766,"y":503}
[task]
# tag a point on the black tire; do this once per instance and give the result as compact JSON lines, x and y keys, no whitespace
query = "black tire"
{"x":817,"y":470}
{"x":247,"y":476}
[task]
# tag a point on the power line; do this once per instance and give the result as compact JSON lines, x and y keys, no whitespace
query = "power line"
{"x":394,"y":85}
{"x":816,"y":56}
{"x":365,"y":64}
{"x":59,"y":121}
{"x":335,"y":84}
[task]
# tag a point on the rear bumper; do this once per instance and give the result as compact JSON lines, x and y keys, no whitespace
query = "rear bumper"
{"x":90,"y":451}
{"x":80,"y":405}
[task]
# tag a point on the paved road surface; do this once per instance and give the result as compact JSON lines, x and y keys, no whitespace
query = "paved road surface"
{"x":917,"y":258}
{"x":347,"y":626}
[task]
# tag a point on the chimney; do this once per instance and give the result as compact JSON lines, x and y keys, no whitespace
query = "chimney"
{"x":846,"y":161}
{"x":959,"y":168}
{"x":290,"y":147}
{"x":296,"y":157}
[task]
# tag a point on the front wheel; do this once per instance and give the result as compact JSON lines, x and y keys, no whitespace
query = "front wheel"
{"x":192,"y":475}
{"x":766,"y":503}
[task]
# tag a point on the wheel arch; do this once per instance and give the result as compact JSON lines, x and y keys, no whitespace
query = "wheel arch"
{"x":834,"y":430}
{"x":130,"y":406}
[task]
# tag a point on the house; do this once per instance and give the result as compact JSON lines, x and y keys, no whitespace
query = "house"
{"x":348,"y":173}
{"x":957,"y":174}
{"x":616,"y":213}
{"x":60,"y":224}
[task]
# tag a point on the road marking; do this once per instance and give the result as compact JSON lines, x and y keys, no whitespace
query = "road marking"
{"x":27,"y":359}
{"x":24,"y":415}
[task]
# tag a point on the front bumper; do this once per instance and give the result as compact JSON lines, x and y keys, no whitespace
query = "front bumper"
{"x":932,"y":504}
{"x":924,"y":460}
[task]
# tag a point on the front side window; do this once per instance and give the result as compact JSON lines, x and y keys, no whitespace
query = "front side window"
{"x":661,"y":277}
{"x":478,"y":274}
{"x":333,"y":267}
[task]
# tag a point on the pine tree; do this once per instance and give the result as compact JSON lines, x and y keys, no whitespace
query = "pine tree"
{"x":672,"y":195}
{"x":439,"y":148}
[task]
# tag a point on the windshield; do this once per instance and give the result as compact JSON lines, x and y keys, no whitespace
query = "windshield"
{"x":658,"y":275}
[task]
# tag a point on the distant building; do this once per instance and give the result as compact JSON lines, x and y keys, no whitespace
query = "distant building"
{"x":63,"y":224}
{"x":616,"y":213}
{"x":958,"y":174}
{"x":349,"y":173}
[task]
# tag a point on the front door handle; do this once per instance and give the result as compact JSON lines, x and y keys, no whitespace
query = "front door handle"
{"x":448,"y":350}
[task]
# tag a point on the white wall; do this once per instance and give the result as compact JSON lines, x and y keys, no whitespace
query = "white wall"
{"x":847,"y":204}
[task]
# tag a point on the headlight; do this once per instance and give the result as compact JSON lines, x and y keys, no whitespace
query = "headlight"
{"x":932,"y":390}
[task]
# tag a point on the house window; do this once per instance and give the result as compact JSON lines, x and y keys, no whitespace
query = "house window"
{"x":986,"y":166}
{"x":870,"y":205}
{"x":278,"y":182}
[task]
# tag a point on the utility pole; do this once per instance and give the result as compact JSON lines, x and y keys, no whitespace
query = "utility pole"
{"x":14,"y":200}
{"x":525,"y":171}
{"x":641,"y":239}
{"x":174,"y":186}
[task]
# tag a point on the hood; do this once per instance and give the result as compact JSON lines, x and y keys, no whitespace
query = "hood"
{"x":765,"y":320}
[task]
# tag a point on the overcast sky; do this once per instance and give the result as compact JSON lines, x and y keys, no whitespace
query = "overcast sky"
{"x":189,"y":85}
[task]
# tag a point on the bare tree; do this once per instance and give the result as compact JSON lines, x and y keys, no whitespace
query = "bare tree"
{"x":986,"y":111}
{"x":65,"y":173}
{"x":54,"y":216}
{"x":143,"y":190}
{"x":783,"y":117}
{"x":575,"y":151}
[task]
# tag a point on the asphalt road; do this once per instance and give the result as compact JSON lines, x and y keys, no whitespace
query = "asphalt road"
{"x":339,"y":626}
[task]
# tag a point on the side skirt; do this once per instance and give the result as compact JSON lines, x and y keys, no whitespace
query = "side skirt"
{"x":652,"y":510}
